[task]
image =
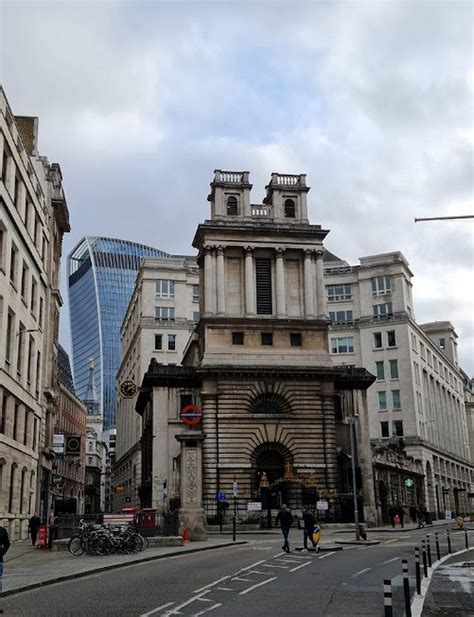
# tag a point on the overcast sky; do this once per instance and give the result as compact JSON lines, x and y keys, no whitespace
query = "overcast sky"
{"x":140,"y":102}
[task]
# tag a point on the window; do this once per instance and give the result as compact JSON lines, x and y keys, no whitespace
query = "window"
{"x":342,"y":345}
{"x":14,"y":265}
{"x":38,"y":373}
{"x":34,"y":288}
{"x":378,"y":340}
{"x":21,"y":341}
{"x":40,"y":313}
{"x":382,"y":400}
{"x":164,"y":313}
{"x":384,"y":429}
{"x":8,"y":346}
{"x":391,"y":340}
{"x":422,"y":351}
{"x":340,"y":316}
{"x":338,"y":293}
{"x":397,"y":427}
{"x":380,"y":370}
{"x":381,"y":285}
{"x":3,"y":243}
{"x":428,"y":354}
{"x":290,"y":210}
{"x":382,"y":310}
{"x":237,"y":338}
{"x":396,"y":399}
{"x":232,"y":206}
{"x":24,"y":281}
{"x":196,"y":315}
{"x":3,"y":416}
{"x":295,"y":339}
{"x":35,"y":433}
{"x":164,"y":288}
{"x":31,"y":351}
{"x":263,"y":269}
{"x":442,"y":343}
{"x":267,"y":338}
{"x":16,"y":412}
{"x":171,"y":342}
{"x":28,"y":207}
{"x":18,"y":184}
{"x":158,"y":342}
{"x":393,"y":369}
{"x":195,"y":293}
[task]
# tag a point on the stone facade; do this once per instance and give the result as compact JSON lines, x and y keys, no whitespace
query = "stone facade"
{"x":418,"y":394}
{"x":147,"y":333}
{"x":33,"y":219}
{"x":258,"y":364}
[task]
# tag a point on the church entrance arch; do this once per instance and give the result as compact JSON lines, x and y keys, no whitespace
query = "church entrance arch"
{"x":269,"y":462}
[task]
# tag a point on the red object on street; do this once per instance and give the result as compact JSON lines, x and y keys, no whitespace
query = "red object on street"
{"x":148,"y":517}
{"x":43,"y":536}
{"x":191,"y":414}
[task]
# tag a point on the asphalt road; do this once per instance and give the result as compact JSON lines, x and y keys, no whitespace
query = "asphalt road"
{"x":255,"y":579}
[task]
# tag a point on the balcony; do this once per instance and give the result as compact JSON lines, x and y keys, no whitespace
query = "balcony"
{"x":231,"y":177}
{"x":261,"y":211}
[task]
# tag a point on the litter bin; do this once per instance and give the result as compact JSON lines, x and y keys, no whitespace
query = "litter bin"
{"x":148,"y":517}
{"x":43,"y":536}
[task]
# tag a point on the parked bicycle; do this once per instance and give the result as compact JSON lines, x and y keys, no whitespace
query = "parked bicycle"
{"x":102,"y":540}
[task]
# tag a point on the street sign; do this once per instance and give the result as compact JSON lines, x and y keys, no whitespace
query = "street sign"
{"x":58,"y":445}
{"x":73,"y":445}
{"x":191,"y":415}
{"x":235,"y":488}
{"x":254,"y":506}
{"x":220,"y":496}
{"x":409,"y":482}
{"x":322,"y":505}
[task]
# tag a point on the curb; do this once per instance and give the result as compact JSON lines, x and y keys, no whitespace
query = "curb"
{"x":419,"y":601}
{"x":115,"y":566}
{"x":359,"y":542}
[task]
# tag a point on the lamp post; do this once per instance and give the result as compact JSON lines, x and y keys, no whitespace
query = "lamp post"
{"x":351,"y":420}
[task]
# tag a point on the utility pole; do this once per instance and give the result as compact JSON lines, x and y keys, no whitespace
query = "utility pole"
{"x":351,"y":420}
{"x":445,"y":218}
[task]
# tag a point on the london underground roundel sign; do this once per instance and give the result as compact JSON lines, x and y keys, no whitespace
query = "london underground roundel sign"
{"x":191,"y":415}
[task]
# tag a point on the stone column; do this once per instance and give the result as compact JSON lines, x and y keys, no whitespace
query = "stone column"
{"x":249,"y":283}
{"x":320,"y":288}
{"x":191,"y":514}
{"x":208,"y":282}
{"x":327,"y":395}
{"x":280,"y":283}
{"x":220,"y":281}
{"x":308,"y":286}
{"x":210,"y":445}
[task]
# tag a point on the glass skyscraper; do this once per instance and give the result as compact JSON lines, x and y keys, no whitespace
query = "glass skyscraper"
{"x":101,"y":278}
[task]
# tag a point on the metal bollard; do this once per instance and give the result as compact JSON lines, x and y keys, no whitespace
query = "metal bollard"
{"x":449,"y":541}
{"x":406,"y":588}
{"x":425,"y":565}
{"x":466,"y":538}
{"x":387,"y":597}
{"x":234,"y":527}
{"x":417,"y":571}
{"x":428,"y":548}
{"x":438,"y":554}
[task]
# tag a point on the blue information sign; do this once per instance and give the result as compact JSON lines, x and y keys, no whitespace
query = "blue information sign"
{"x":221,"y":496}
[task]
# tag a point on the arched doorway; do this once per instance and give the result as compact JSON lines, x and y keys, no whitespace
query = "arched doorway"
{"x":269,"y":462}
{"x":383,"y":501}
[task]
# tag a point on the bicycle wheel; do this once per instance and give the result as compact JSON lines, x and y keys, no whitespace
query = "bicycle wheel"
{"x":75,"y":546}
{"x":133,"y":543}
{"x":145,"y":542}
{"x":103,"y":546}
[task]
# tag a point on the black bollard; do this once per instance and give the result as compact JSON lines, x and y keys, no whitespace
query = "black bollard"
{"x":466,"y":538}
{"x":428,"y":548}
{"x":438,"y":554}
{"x":449,"y":541}
{"x":387,"y":597}
{"x":234,"y":527}
{"x":406,"y":588}
{"x":425,"y":565}
{"x":417,"y":571}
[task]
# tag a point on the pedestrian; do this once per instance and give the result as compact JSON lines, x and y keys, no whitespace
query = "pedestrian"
{"x":33,"y":526}
{"x":413,"y":510}
{"x":285,"y":519}
{"x":4,"y":546}
{"x":309,"y":522}
{"x":401,"y":514}
{"x":391,"y":515}
{"x":53,"y":532}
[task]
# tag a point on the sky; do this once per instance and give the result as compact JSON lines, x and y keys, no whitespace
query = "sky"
{"x":139,"y":102}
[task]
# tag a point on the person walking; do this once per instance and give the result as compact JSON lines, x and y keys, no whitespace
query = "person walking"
{"x":413,"y":510}
{"x":285,"y":520}
{"x":401,"y":514}
{"x":309,"y":522}
{"x":391,"y":515}
{"x":33,"y":526}
{"x":4,"y":546}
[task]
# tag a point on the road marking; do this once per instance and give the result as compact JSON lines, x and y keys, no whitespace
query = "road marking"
{"x":327,"y":555}
{"x":225,"y":589}
{"x":237,"y":578}
{"x":249,"y":589}
{"x":269,"y":565}
{"x":205,"y":600}
{"x":211,"y":608}
{"x":302,"y":565}
{"x":155,"y":610}
{"x":390,"y":541}
{"x":259,"y":572}
{"x":361,"y":572}
{"x":279,"y":554}
{"x":219,"y":580}
{"x":348,"y":548}
{"x":389,"y":561}
{"x":176,"y":611}
{"x":257,"y":563}
{"x":288,"y":560}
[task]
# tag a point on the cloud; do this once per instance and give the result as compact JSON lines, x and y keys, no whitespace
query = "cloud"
{"x":139,"y":102}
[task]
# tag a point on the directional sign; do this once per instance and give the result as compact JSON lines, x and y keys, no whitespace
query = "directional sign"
{"x":191,"y":415}
{"x":235,"y":488}
{"x":322,"y":505}
{"x":220,"y":496}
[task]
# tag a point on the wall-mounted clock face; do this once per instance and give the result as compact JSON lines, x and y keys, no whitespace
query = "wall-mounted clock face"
{"x":128,"y":389}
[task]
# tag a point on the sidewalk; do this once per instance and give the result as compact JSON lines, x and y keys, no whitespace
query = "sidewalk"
{"x":26,"y":567}
{"x":398,"y":529}
{"x":451,"y":591}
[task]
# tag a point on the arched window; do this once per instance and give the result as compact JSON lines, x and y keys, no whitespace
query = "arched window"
{"x":22,"y":490}
{"x":11,"y":493}
{"x":290,"y":210}
{"x":232,"y":208}
{"x":269,"y":402}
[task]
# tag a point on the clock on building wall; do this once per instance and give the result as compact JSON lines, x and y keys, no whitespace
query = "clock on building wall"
{"x":128,"y":388}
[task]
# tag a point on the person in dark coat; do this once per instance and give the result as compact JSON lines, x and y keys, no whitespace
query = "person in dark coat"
{"x":401,"y":514}
{"x":33,"y":526}
{"x":309,"y":522}
{"x":4,"y":546}
{"x":285,"y":520}
{"x":391,"y":515}
{"x":413,"y":510}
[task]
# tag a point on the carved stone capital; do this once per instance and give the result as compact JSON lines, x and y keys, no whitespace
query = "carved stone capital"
{"x":319,"y":254}
{"x":248,"y":250}
{"x":208,"y":249}
{"x":220,"y":250}
{"x":280,"y":252}
{"x":308,"y":253}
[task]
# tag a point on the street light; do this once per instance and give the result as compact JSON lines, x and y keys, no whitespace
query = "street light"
{"x":351,"y":420}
